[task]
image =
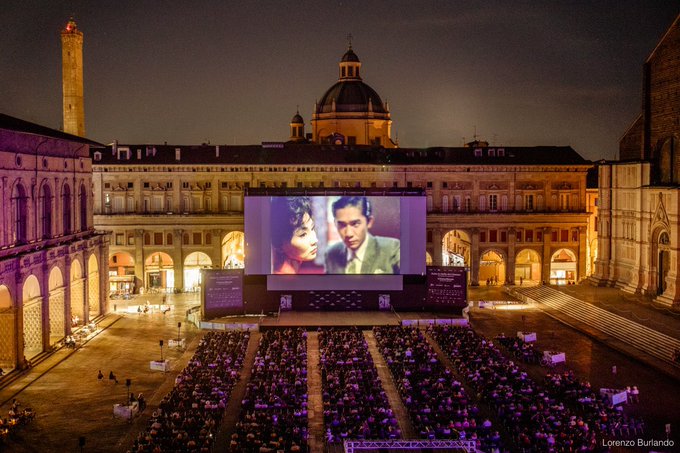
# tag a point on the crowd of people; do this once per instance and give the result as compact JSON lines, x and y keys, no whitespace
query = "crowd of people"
{"x":188,"y":418}
{"x":16,"y":418}
{"x":437,"y":403}
{"x":538,"y":416}
{"x":273,"y":414}
{"x":355,"y":405}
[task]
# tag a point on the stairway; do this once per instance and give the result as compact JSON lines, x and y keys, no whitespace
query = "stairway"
{"x":632,"y":333}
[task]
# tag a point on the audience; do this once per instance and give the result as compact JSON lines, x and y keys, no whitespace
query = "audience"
{"x":188,"y":418}
{"x":355,"y":406}
{"x":274,"y":409}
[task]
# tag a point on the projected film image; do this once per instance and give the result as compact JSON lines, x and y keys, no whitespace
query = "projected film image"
{"x":335,"y":235}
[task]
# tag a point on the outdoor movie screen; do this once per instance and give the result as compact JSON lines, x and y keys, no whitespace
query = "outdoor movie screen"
{"x":332,"y":234}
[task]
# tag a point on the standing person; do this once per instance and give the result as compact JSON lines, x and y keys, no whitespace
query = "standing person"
{"x":112,"y":377}
{"x":100,"y":376}
{"x":294,"y":239}
{"x":360,"y":252}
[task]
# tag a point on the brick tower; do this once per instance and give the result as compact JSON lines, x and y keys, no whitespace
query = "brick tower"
{"x":72,"y":79}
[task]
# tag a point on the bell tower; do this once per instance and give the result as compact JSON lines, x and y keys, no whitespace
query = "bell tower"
{"x":72,"y":79}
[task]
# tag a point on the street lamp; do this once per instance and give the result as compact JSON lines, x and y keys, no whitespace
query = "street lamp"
{"x":161,"y":344}
{"x":179,"y":326}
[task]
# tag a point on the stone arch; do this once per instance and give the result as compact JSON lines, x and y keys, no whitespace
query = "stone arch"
{"x":93,"y":300}
{"x":528,"y":267}
{"x":456,"y":245}
{"x":31,"y":297}
{"x":492,"y":266}
{"x":159,"y":273}
{"x":233,"y":250}
{"x":563,"y":267}
{"x":56,"y":304}
{"x":660,"y":258}
{"x":428,"y":259}
{"x":193,"y":264}
{"x":5,"y":298}
{"x":77,"y":302}
{"x":121,"y":273}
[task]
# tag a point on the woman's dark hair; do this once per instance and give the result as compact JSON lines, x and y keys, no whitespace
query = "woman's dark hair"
{"x":286,"y":216}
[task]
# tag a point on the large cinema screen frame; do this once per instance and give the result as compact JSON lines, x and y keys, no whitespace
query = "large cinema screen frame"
{"x":289,"y":232}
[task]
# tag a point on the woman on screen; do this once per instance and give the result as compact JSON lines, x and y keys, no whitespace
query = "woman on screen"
{"x":294,"y":238}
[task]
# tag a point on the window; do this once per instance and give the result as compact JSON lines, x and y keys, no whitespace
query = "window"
{"x":445,"y":185}
{"x":208,"y":185}
{"x":504,"y":203}
{"x":429,"y":184}
{"x":83,"y":208}
{"x":66,"y":209}
{"x":147,"y":239}
{"x":528,"y":202}
{"x":185,"y":185}
{"x":224,"y":185}
{"x":482,"y":236}
{"x":185,"y":239}
{"x":553,"y":236}
{"x":493,"y":202}
{"x":529,"y":235}
{"x":429,"y":203}
{"x":482,"y":203}
{"x":168,"y":239}
{"x":208,"y":238}
{"x":493,"y":235}
{"x":131,"y":240}
{"x":564,"y":201}
{"x":596,"y":223}
{"x":46,"y":211}
{"x":158,"y":239}
{"x":574,"y":235}
{"x":456,"y":203}
{"x":147,"y":185}
{"x":518,"y":235}
{"x":198,"y":238}
{"x":208,"y":204}
{"x":478,"y":152}
{"x":504,"y":236}
{"x":120,"y":239}
{"x":20,"y":214}
{"x":468,"y":204}
{"x":539,"y":235}
{"x":147,"y":202}
{"x":445,"y":203}
{"x":564,"y":235}
{"x":131,"y":185}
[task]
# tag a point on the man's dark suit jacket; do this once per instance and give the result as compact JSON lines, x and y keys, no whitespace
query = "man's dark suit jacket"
{"x":381,"y":257}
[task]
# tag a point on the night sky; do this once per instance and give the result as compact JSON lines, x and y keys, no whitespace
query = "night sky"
{"x":224,"y":72}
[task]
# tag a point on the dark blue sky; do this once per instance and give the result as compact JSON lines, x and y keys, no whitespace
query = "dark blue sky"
{"x":185,"y":72}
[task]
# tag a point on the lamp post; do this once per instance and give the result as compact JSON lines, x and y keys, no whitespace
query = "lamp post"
{"x":179,"y":327}
{"x":161,"y":344}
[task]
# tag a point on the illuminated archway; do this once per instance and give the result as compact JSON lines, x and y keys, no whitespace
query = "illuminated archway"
{"x":233,"y":250}
{"x":456,"y":248}
{"x":428,"y":259}
{"x":32,"y":308}
{"x":527,"y":267}
{"x":121,"y":273}
{"x":93,"y":287}
{"x":492,"y":268}
{"x":5,"y":298}
{"x":193,"y":264}
{"x":77,"y":294}
{"x":56,"y":303}
{"x":563,"y":267}
{"x":158,"y":272}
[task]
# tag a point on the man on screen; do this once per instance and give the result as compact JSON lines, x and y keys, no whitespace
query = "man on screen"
{"x":360,"y":252}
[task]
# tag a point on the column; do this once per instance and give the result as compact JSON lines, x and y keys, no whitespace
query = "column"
{"x":86,"y":289}
{"x":177,"y":259}
{"x":510,"y":268}
{"x":45,"y":303}
{"x":547,"y":255}
{"x":104,"y":275}
{"x":67,"y":294}
{"x":140,"y":281}
{"x":216,"y":249}
{"x":582,"y":254}
{"x":474,"y":258}
{"x":5,"y":214}
{"x":437,"y":246}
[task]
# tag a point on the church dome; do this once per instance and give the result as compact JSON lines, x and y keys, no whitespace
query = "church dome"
{"x":350,"y":96}
{"x":297,"y":119}
{"x":350,"y":56}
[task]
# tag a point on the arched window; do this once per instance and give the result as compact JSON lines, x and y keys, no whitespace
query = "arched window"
{"x":445,"y":203}
{"x":45,"y":211}
{"x":66,"y":209}
{"x":19,"y":214}
{"x":83,"y":208}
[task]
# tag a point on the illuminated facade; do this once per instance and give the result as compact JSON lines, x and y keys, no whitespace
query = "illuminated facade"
{"x":505,"y":212}
{"x":639,"y":222}
{"x":50,"y":255}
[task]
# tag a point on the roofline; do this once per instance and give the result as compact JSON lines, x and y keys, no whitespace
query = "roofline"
{"x":665,"y":35}
{"x":630,"y":126}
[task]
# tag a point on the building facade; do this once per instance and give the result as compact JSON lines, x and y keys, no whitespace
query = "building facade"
{"x":509,"y":214}
{"x":639,"y":225}
{"x":51,"y":257}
